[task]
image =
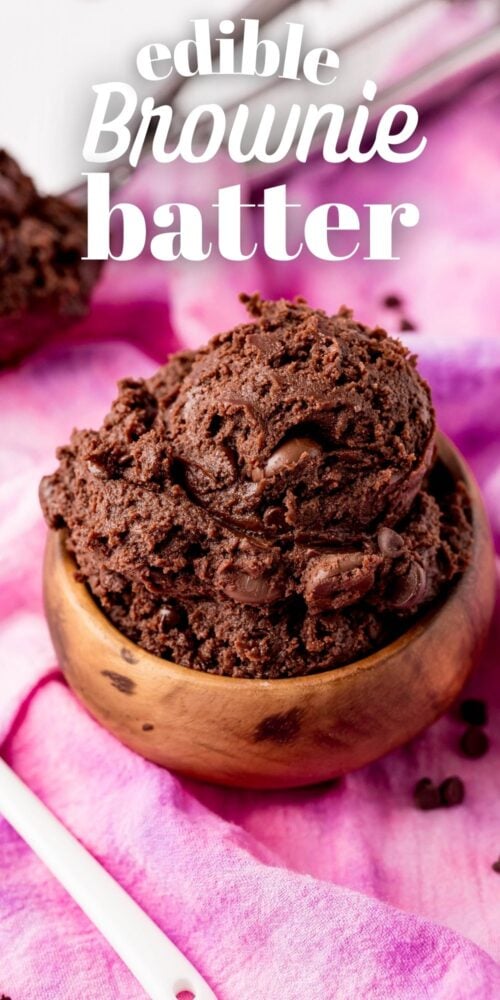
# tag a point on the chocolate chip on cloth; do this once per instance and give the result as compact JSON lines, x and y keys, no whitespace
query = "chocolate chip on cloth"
{"x":474,"y":742}
{"x":43,"y":279}
{"x":474,"y":711}
{"x":426,"y":795}
{"x":261,"y":507}
{"x":452,"y":791}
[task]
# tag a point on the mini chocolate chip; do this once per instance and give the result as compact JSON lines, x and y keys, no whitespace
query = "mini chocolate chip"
{"x":274,"y":517}
{"x":246,"y":589}
{"x":389,"y":542}
{"x":408,"y":590}
{"x":147,"y":727}
{"x":406,"y":326}
{"x":474,"y":712}
{"x":496,"y":866}
{"x":452,"y":791}
{"x":426,"y":794}
{"x":474,"y":742}
{"x":169,"y":618}
{"x":392,"y":302}
{"x":290,"y":452}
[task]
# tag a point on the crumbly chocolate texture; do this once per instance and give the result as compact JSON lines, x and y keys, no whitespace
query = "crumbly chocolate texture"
{"x":43,"y":278}
{"x":315,"y":416}
{"x":265,"y":506}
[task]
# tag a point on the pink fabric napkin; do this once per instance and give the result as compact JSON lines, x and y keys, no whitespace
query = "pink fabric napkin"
{"x":331,"y":893}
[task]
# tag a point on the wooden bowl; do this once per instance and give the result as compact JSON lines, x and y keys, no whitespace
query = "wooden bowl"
{"x":278,"y":733}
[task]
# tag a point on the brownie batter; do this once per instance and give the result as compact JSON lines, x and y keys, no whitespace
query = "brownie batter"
{"x":268,"y":505}
{"x":43,"y":279}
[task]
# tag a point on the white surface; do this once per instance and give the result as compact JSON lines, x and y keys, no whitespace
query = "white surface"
{"x":157,"y":964}
{"x":52,"y":51}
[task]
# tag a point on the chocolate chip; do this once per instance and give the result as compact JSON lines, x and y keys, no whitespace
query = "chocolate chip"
{"x":426,"y":795}
{"x":289,"y":453}
{"x":338,"y":579}
{"x":389,"y":542}
{"x":392,"y":302}
{"x":169,"y":618}
{"x":408,"y":590}
{"x":452,"y":791}
{"x":246,"y":589}
{"x":474,"y":742}
{"x":406,"y":326}
{"x":474,"y":712}
{"x":147,"y":727}
{"x":496,"y":866}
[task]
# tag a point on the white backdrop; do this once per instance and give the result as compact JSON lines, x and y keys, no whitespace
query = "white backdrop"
{"x":52,"y":51}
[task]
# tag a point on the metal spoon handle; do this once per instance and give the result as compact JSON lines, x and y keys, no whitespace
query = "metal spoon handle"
{"x":264,"y":11}
{"x":158,"y":965}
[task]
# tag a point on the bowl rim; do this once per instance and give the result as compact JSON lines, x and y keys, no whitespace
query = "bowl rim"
{"x":139,"y":657}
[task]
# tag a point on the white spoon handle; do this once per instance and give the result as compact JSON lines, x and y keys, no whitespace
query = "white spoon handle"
{"x":157,"y":964}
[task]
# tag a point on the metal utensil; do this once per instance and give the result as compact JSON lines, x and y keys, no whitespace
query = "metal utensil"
{"x":432,"y":81}
{"x":264,"y":10}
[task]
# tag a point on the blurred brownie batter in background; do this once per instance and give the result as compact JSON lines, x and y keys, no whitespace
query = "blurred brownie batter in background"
{"x":44,"y":283}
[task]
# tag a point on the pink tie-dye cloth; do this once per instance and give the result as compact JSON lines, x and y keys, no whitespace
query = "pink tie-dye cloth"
{"x":340,"y":892}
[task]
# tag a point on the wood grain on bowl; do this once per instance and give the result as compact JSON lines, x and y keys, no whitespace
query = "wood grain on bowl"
{"x":279,"y":733}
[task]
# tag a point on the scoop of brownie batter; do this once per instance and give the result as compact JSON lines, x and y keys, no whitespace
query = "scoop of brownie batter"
{"x":303,"y":423}
{"x":43,"y":279}
{"x":265,"y":506}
